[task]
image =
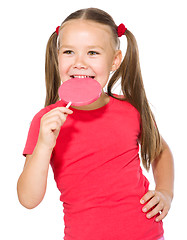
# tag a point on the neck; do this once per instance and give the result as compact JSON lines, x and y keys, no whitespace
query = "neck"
{"x":100,"y":102}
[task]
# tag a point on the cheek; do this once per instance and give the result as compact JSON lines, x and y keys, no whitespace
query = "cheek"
{"x":63,"y":66}
{"x":102,"y":68}
{"x":103,"y":75}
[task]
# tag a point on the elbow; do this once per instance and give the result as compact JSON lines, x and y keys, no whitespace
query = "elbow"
{"x":26,"y":204}
{"x":26,"y":200}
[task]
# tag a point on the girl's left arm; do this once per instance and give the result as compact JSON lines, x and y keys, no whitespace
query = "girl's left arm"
{"x":160,"y":199}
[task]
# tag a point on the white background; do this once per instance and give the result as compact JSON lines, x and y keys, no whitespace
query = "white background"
{"x":25,"y":26}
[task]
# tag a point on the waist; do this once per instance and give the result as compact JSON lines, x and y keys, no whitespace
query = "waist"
{"x":119,"y":222}
{"x":107,"y":190}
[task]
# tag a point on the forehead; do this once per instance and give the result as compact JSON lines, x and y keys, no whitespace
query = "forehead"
{"x":85,"y":30}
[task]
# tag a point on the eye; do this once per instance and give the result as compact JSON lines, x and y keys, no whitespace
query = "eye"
{"x":92,"y":53}
{"x":68,"y":52}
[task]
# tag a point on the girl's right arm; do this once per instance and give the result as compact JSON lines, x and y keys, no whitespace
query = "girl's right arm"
{"x":31,"y":186}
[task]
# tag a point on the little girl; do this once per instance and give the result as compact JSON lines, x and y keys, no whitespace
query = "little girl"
{"x":94,"y":149}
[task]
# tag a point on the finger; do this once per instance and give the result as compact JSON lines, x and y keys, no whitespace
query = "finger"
{"x":56,"y":114}
{"x":147,"y":196}
{"x":51,"y":126}
{"x":60,"y":118}
{"x":155,"y":210}
{"x":63,"y":110}
{"x":154,"y":201}
{"x":57,"y":111}
{"x":162,"y":215}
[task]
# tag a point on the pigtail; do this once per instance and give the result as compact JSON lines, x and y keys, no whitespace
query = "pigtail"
{"x":134,"y":92}
{"x":52,"y":78}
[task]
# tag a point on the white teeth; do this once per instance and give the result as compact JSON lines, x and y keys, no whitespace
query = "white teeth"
{"x":80,"y":76}
{"x":76,"y":76}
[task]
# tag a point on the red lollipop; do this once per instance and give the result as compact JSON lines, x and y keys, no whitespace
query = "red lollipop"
{"x":79,"y":91}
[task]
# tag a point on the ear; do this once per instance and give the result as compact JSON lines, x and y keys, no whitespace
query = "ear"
{"x":117,"y":60}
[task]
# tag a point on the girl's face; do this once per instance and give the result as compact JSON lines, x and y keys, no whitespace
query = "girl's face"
{"x":87,"y":50}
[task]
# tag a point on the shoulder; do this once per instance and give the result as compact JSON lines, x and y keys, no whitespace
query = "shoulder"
{"x":126,"y":108}
{"x":35,"y":126}
{"x":124,"y":103}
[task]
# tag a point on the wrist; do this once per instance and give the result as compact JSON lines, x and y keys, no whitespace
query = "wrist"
{"x":169,"y":193}
{"x":41,"y":146}
{"x":42,"y":150}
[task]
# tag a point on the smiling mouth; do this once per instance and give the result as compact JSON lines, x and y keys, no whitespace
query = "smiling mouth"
{"x":82,"y":76}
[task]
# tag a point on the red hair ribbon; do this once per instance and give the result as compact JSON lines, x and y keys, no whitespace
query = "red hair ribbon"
{"x":57,"y":30}
{"x":121,"y":30}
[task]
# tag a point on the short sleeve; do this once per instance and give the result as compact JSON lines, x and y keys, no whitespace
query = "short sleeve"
{"x":33,"y":133}
{"x":34,"y":129}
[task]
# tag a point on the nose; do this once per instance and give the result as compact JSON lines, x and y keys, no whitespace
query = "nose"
{"x":80,"y":62}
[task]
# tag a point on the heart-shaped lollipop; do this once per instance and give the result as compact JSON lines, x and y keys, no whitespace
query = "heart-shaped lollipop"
{"x":79,"y":91}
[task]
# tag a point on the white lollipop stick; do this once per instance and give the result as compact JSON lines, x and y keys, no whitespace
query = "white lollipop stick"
{"x":68,"y":105}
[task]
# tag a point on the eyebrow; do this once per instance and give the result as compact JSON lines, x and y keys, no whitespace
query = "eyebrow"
{"x":89,"y":47}
{"x":95,"y":46}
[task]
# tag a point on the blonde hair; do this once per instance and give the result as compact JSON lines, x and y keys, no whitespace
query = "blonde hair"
{"x":131,"y":81}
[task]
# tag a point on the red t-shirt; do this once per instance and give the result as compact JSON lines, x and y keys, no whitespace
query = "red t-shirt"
{"x":97,"y":169}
